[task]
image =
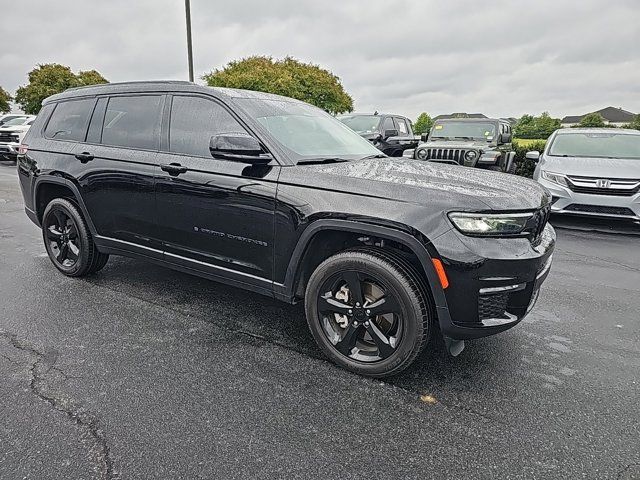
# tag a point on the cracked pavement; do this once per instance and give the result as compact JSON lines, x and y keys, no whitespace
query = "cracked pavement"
{"x":142,"y":372}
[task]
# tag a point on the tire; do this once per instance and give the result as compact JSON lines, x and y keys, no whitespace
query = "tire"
{"x":67,"y":239}
{"x":385,"y":343}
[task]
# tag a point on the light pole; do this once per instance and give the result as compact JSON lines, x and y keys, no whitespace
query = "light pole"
{"x":187,"y":7}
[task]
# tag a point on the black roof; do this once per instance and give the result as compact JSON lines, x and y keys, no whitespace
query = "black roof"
{"x":460,"y":115}
{"x":611,"y":114}
{"x":163,"y":86}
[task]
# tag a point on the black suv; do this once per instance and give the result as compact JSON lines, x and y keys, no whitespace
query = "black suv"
{"x":391,"y":134}
{"x":272,"y":195}
{"x":472,"y":142}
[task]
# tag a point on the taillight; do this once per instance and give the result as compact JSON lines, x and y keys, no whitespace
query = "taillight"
{"x":23,"y":149}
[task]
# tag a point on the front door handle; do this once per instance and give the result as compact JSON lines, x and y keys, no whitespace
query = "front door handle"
{"x":84,"y":157}
{"x":174,"y":168}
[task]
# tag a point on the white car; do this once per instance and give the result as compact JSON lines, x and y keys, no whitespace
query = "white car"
{"x":11,"y":135}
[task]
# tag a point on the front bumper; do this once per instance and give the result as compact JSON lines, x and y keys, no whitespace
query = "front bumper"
{"x":493,"y":282}
{"x":9,"y":150}
{"x":566,"y":201}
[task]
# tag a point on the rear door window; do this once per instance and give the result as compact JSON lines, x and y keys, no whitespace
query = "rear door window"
{"x":194,"y":120}
{"x":69,"y":120}
{"x":402,"y":126}
{"x":388,"y":124}
{"x":133,"y":122}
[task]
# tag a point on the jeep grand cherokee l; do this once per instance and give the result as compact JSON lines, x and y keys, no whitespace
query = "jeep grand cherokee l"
{"x":270,"y":194}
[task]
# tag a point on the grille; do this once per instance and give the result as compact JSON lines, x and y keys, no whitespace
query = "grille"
{"x":451,"y":154}
{"x":577,"y":207}
{"x":619,"y":187}
{"x":492,"y":306}
{"x":7,"y":137}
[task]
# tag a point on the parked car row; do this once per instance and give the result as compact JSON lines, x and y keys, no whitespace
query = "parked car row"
{"x":591,"y":172}
{"x":13,"y":129}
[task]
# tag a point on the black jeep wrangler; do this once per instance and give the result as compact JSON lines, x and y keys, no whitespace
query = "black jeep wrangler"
{"x":391,"y":134}
{"x":275,"y":196}
{"x":472,"y":142}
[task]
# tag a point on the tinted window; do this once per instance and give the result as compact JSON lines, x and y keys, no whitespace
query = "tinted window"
{"x":388,"y":124}
{"x":69,"y":120}
{"x":133,"y":122}
{"x":194,"y":120}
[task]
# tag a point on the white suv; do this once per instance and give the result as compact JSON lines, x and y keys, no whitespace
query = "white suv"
{"x":11,"y":135}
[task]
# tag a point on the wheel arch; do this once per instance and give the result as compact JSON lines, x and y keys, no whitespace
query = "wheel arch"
{"x":302,"y":257}
{"x":48,"y":188}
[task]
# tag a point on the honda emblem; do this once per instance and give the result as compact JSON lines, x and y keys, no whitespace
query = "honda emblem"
{"x":603,"y":183}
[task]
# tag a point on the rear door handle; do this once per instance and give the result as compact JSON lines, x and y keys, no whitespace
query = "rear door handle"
{"x":84,"y":157}
{"x":174,"y":168}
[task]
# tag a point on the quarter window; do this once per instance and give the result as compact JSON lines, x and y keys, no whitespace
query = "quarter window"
{"x":69,"y":120}
{"x":133,"y":122}
{"x":194,"y":120}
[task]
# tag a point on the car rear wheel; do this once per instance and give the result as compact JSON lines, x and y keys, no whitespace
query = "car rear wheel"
{"x":68,"y":241}
{"x":369,"y":311}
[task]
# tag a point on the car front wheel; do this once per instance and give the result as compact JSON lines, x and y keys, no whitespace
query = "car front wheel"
{"x":369,"y":311}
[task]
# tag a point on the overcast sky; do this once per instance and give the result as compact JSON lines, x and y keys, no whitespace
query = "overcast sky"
{"x":501,"y":58}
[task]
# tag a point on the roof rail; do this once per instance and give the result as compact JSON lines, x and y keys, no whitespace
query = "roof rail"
{"x":138,"y":82}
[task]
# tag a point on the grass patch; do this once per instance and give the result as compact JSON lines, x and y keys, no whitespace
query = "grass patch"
{"x":525,"y":142}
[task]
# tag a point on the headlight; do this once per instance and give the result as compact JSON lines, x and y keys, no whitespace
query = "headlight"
{"x":471,"y":155}
{"x":490,"y":223}
{"x":421,"y":154}
{"x":554,"y":177}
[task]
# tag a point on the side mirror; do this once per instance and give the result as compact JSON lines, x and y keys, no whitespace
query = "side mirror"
{"x":505,"y":138}
{"x":424,"y":137}
{"x":392,"y":132}
{"x":238,"y":147}
{"x":533,"y":155}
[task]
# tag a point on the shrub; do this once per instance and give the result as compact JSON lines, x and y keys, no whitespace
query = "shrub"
{"x":525,"y":167}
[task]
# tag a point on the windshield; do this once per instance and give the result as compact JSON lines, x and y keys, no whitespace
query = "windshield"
{"x":307,"y":132}
{"x":361,"y":123}
{"x":605,"y":145}
{"x":15,"y":121}
{"x":474,"y":130}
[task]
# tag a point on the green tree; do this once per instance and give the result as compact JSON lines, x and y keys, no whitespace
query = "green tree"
{"x":288,"y":77}
{"x":592,"y":120}
{"x":49,"y":79}
{"x":90,"y":77}
{"x":540,"y":127}
{"x":422,"y":124}
{"x":635,"y":123}
{"x":5,"y":99}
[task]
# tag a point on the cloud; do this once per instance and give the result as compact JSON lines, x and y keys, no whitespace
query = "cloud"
{"x":502,"y":58}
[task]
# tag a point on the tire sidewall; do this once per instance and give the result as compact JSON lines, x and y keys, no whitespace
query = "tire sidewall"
{"x":390,"y":279}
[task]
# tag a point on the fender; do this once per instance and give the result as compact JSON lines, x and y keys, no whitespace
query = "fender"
{"x":286,"y":290}
{"x":51,"y":179}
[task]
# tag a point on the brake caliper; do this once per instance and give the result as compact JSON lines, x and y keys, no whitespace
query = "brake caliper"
{"x":342,"y":295}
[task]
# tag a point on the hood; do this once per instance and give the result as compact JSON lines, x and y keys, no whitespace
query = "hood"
{"x":15,"y":128}
{"x":462,"y":144}
{"x":433,"y":184}
{"x":593,"y":166}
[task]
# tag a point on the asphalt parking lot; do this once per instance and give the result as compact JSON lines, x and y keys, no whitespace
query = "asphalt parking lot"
{"x":143,"y":372}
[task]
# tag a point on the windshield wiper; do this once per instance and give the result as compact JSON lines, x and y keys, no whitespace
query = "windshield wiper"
{"x":466,"y":138}
{"x":376,"y":155}
{"x":318,"y":160}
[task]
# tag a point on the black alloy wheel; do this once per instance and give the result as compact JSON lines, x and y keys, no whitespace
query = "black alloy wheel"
{"x":360,"y":317}
{"x":68,"y":241}
{"x":369,"y":311}
{"x":62,"y":237}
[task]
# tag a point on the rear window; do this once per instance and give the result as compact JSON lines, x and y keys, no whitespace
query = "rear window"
{"x":133,"y":122}
{"x":69,"y":120}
